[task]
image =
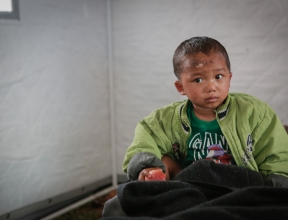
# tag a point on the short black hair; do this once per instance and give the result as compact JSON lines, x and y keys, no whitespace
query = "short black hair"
{"x":196,"y":45}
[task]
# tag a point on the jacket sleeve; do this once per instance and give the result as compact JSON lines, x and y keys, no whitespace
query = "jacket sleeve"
{"x":271,"y":148}
{"x":140,"y":161}
{"x":276,"y":180}
{"x":149,"y":138}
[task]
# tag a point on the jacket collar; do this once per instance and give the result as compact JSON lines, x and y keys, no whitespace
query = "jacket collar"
{"x":221,"y":111}
{"x":184,"y":117}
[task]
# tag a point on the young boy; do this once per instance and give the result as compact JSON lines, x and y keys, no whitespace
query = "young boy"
{"x":212,"y":124}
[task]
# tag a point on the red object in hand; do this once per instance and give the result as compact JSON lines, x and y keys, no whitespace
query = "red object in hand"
{"x":156,"y":175}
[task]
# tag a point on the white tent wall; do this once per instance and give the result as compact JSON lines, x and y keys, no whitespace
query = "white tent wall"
{"x":54,"y":100}
{"x":54,"y":87}
{"x":146,"y":34}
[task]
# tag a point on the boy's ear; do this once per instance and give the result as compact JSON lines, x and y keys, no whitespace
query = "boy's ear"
{"x":179,"y":87}
{"x":230,"y":78}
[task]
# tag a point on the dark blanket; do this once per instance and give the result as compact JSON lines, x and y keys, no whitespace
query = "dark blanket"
{"x":204,"y":190}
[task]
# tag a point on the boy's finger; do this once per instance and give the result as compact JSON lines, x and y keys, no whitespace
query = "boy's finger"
{"x":141,"y":176}
{"x":146,"y":173}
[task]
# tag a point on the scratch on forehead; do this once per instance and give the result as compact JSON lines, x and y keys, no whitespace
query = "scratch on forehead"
{"x":199,"y":63}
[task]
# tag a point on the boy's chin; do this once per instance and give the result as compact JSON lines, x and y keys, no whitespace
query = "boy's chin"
{"x":213,"y":106}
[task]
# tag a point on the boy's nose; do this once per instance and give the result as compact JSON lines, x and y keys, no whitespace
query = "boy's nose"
{"x":210,"y":87}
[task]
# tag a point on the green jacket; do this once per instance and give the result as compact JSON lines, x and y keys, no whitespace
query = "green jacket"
{"x":256,"y":137}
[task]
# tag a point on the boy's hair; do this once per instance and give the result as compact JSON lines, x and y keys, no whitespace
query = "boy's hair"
{"x":196,"y":45}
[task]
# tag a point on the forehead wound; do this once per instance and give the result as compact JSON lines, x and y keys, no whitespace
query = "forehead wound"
{"x":199,"y":63}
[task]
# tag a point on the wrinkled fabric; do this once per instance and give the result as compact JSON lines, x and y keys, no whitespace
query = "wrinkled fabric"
{"x":204,"y":190}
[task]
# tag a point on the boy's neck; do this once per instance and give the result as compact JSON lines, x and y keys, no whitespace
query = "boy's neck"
{"x":205,"y":115}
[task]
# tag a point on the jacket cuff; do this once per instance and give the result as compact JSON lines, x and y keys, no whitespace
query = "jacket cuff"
{"x":140,"y":161}
{"x":276,"y":180}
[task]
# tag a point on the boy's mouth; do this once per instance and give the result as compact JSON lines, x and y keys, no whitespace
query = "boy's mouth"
{"x":212,"y":99}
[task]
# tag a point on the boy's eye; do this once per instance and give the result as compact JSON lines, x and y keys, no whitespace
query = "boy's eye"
{"x":198,"y":80}
{"x":219,"y":76}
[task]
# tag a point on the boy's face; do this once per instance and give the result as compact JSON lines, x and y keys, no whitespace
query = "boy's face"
{"x":205,"y":80}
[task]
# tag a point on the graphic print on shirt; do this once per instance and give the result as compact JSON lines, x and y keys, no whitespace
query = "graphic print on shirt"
{"x":248,"y":151}
{"x":212,"y":146}
{"x":206,"y":141}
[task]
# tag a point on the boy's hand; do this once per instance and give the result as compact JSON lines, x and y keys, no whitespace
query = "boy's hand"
{"x":172,"y":167}
{"x":147,"y":176}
